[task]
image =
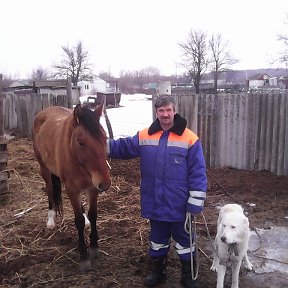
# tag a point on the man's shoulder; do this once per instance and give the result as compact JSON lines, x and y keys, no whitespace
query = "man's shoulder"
{"x":189,"y":133}
{"x":143,"y":131}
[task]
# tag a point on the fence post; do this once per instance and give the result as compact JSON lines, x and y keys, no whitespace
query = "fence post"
{"x":69,"y":93}
{"x":1,"y":107}
{"x":4,"y":173}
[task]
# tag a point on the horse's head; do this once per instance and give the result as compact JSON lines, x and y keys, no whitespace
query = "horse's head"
{"x":89,"y":143}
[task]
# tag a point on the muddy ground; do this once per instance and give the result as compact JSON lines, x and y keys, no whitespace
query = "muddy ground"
{"x":31,"y":256}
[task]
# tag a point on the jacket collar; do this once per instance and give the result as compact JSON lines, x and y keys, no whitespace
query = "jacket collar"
{"x":178,"y":128}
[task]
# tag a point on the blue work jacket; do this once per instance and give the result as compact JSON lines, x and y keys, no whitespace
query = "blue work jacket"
{"x":173,"y":170}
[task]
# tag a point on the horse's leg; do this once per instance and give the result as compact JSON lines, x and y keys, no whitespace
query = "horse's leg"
{"x":85,"y":263}
{"x":87,"y":222}
{"x":92,"y":215}
{"x":46,"y":175}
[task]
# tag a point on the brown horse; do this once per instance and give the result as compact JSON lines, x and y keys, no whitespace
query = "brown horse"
{"x":70,"y":147}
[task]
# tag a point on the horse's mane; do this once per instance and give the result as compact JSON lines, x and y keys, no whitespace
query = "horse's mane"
{"x":88,"y":120}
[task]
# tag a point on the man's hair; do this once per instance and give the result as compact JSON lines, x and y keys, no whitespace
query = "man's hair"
{"x":164,"y":101}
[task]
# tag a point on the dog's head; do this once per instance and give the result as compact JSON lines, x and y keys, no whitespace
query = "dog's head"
{"x":232,"y":225}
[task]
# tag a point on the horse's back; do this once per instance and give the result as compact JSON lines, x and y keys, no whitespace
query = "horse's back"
{"x":54,"y":115}
{"x":48,"y":129}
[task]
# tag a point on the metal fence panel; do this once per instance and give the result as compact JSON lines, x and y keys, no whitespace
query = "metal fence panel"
{"x":243,"y":131}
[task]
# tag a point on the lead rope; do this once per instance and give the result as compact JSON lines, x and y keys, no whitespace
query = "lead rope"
{"x":190,"y":228}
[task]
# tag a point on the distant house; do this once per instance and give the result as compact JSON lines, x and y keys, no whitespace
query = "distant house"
{"x":95,"y":91}
{"x":112,"y":85}
{"x":283,"y":82}
{"x":21,"y":87}
{"x":56,"y":87}
{"x":273,"y":82}
{"x":207,"y":80}
{"x":259,"y":80}
{"x":90,"y":88}
{"x":150,"y":85}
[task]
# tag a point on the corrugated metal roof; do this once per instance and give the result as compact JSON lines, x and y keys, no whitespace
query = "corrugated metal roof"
{"x":50,"y":83}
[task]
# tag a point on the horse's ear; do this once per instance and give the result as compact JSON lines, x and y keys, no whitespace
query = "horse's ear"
{"x":100,"y":108}
{"x":76,"y":113}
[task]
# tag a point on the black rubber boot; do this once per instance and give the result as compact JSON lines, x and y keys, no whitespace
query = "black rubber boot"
{"x":158,"y":272}
{"x":186,"y":275}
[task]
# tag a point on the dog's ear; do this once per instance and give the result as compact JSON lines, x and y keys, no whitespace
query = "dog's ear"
{"x":246,"y":221}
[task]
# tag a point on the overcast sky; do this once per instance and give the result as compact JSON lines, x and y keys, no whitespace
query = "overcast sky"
{"x":133,"y":34}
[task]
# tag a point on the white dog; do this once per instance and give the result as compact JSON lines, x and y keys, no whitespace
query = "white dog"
{"x":231,"y":243}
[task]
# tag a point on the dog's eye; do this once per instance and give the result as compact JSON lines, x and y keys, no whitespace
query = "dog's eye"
{"x":233,"y":227}
{"x":224,"y":225}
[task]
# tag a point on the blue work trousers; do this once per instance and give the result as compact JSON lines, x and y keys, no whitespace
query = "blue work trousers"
{"x":160,"y":239}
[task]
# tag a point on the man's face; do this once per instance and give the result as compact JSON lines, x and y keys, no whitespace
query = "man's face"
{"x":165,"y":114}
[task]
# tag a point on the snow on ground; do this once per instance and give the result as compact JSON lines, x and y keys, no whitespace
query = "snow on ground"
{"x":134,"y":114}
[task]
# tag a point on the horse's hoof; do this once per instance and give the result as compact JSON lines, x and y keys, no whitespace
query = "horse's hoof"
{"x":85,"y":266}
{"x":50,"y":226}
{"x":93,"y":252}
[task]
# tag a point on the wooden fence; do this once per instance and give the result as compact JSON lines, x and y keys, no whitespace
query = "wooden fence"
{"x":20,"y":110}
{"x":243,"y":131}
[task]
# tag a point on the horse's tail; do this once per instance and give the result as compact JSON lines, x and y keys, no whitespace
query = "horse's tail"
{"x":57,"y":195}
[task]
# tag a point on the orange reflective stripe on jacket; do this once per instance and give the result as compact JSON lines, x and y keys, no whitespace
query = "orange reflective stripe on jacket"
{"x":186,"y":140}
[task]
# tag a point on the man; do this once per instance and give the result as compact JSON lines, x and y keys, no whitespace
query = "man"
{"x":174,"y":182}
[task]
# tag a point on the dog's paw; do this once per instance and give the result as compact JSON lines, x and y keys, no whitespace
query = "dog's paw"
{"x":213,"y":268}
{"x":248,"y":265}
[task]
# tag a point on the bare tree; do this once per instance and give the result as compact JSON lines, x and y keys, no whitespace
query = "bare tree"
{"x":195,"y":60}
{"x":138,"y":77}
{"x":106,"y":76}
{"x":150,"y":74}
{"x":283,"y":58}
{"x":40,"y":74}
{"x":74,"y":64}
{"x":7,"y":80}
{"x":221,"y":58}
{"x":126,"y":82}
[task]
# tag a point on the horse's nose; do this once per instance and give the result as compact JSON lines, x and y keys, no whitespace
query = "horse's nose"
{"x":104,"y":186}
{"x":223,"y":239}
{"x":101,"y":183}
{"x":101,"y":187}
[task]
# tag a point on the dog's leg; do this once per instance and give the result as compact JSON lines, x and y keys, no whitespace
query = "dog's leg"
{"x":221,"y":270}
{"x":235,"y":274}
{"x":215,"y":264}
{"x":247,"y":263}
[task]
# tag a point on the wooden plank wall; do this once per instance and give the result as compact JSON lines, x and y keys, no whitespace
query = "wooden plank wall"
{"x":20,"y":110}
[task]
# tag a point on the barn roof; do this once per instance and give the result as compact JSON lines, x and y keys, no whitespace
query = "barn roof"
{"x":259,"y":76}
{"x":50,"y":83}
